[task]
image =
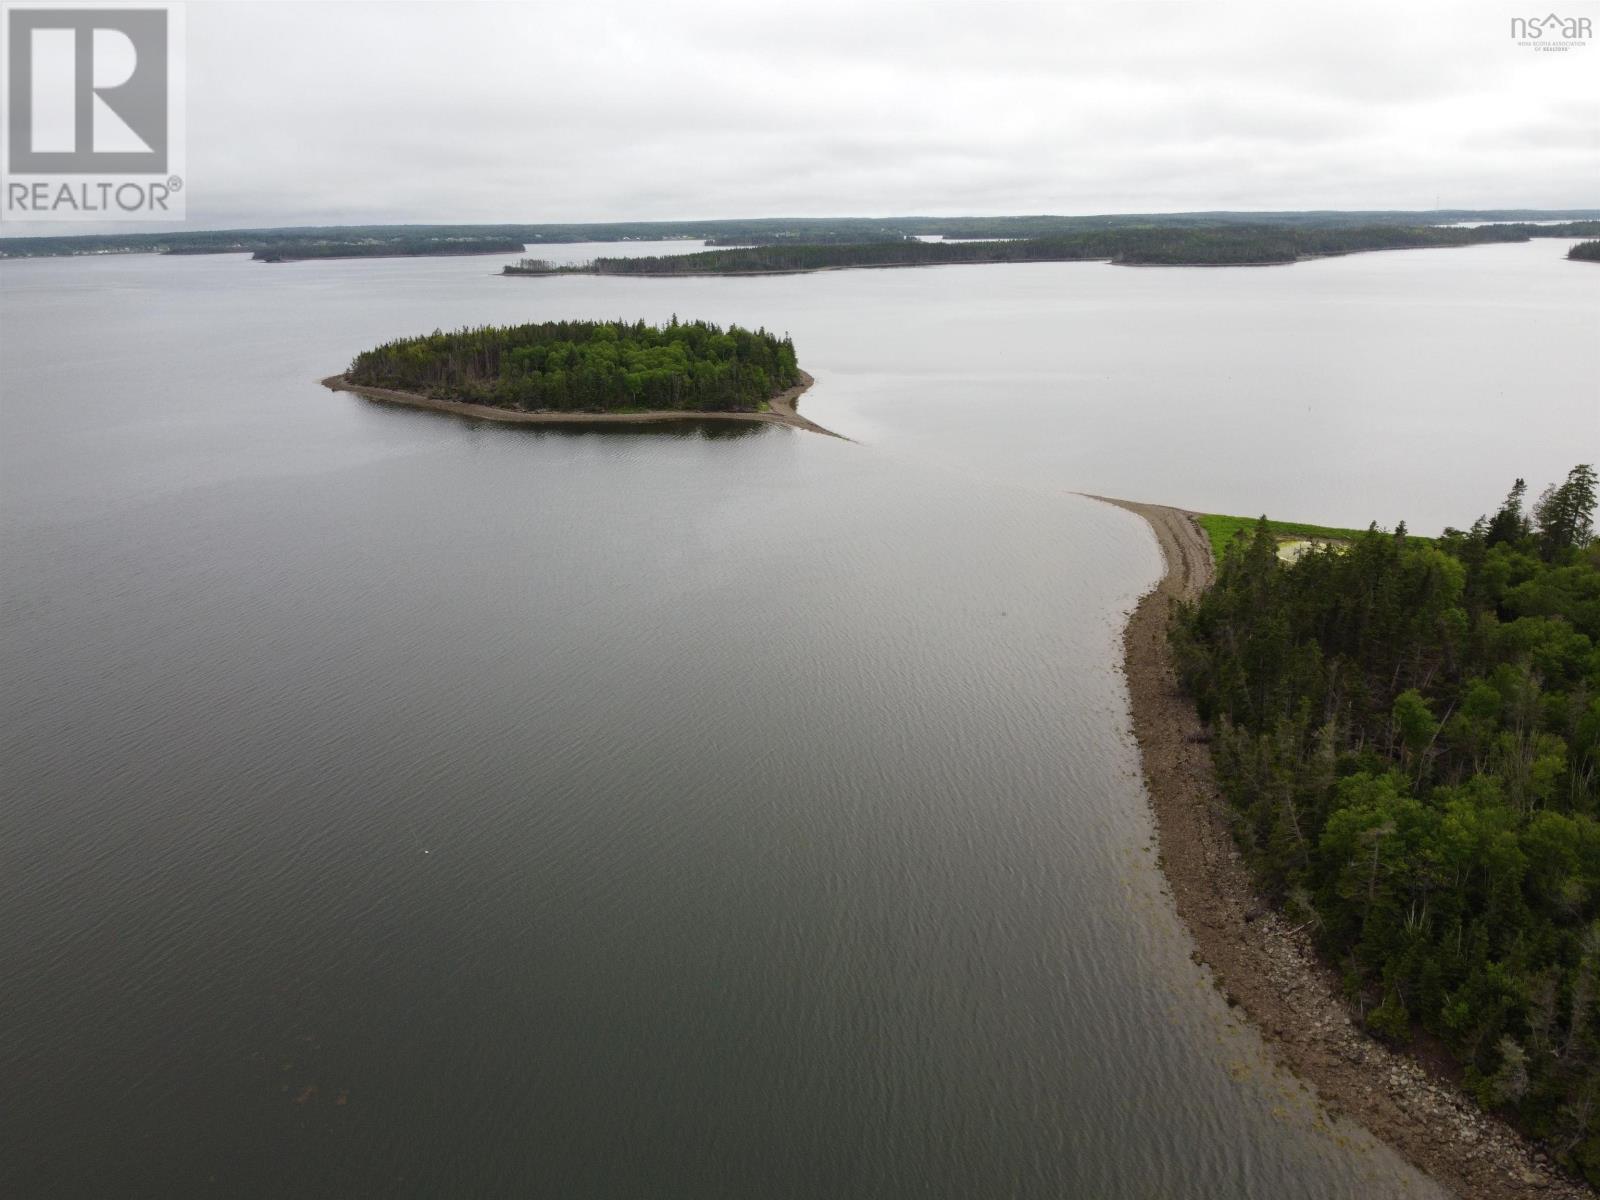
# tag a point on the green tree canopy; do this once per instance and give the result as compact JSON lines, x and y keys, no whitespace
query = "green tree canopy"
{"x":1410,"y":734}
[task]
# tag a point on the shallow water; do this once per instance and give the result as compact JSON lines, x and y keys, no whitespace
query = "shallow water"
{"x":395,"y":805}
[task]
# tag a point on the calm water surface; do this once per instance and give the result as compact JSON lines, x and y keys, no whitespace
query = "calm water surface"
{"x":400,"y":806}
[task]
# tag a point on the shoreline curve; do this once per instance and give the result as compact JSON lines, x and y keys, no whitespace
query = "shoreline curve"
{"x":782,"y":409}
{"x":1261,"y":965}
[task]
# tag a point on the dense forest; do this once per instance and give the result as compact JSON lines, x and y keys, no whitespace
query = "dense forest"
{"x":404,"y":247}
{"x":1409,"y":736}
{"x":774,"y":230}
{"x":1238,"y":245}
{"x":1585,"y":252}
{"x":589,"y":366}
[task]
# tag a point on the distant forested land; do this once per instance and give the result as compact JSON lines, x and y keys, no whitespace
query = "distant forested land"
{"x":589,"y":366}
{"x":802,"y":230}
{"x":789,"y":237}
{"x":1242,"y":245}
{"x":1409,"y":736}
{"x":1585,"y":252}
{"x":392,"y":248}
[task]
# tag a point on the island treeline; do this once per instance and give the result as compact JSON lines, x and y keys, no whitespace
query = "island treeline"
{"x":1585,"y":252}
{"x":401,"y":247}
{"x":589,"y":366}
{"x":1409,"y":736}
{"x":282,"y":245}
{"x":802,"y":237}
{"x":802,"y":230}
{"x":1243,"y":245}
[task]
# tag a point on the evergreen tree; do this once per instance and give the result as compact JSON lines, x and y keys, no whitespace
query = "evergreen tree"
{"x":1564,"y":515}
{"x":1409,"y":731}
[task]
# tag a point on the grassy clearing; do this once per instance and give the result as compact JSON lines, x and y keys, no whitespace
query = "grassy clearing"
{"x":1221,"y":530}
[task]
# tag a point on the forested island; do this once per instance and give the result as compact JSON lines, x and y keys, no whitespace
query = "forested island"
{"x":1408,"y":734}
{"x":1585,"y":252}
{"x":589,"y":370}
{"x":1223,"y":245}
{"x":750,"y":231}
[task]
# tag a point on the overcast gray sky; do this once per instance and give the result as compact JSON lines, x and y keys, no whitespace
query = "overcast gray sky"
{"x":387,"y":112}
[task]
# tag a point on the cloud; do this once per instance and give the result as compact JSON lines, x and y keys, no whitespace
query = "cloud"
{"x":486,"y":112}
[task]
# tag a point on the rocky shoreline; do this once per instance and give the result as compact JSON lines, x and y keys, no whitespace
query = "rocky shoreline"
{"x":1269,"y":969}
{"x":781,"y":409}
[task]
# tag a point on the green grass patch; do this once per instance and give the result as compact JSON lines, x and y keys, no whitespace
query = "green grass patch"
{"x":1221,"y":531}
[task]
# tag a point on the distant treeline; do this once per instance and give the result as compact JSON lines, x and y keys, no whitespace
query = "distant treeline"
{"x":805,"y":230}
{"x":589,"y":366}
{"x":1241,"y":245}
{"x":379,"y":248}
{"x":1409,"y":736}
{"x":814,"y":238}
{"x":1585,"y":252}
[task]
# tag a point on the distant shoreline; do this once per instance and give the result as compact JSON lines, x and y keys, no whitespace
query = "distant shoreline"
{"x":740,"y":262}
{"x":1022,"y":262}
{"x":258,"y":256}
{"x":513,"y":274}
{"x":1257,"y":961}
{"x":1286,"y":262}
{"x":781,"y":409}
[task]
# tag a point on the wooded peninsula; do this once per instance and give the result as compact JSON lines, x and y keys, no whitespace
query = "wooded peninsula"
{"x":589,"y":367}
{"x":1176,"y":245}
{"x":1408,"y":733}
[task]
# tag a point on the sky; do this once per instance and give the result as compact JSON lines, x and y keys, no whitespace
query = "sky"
{"x":340,"y":113}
